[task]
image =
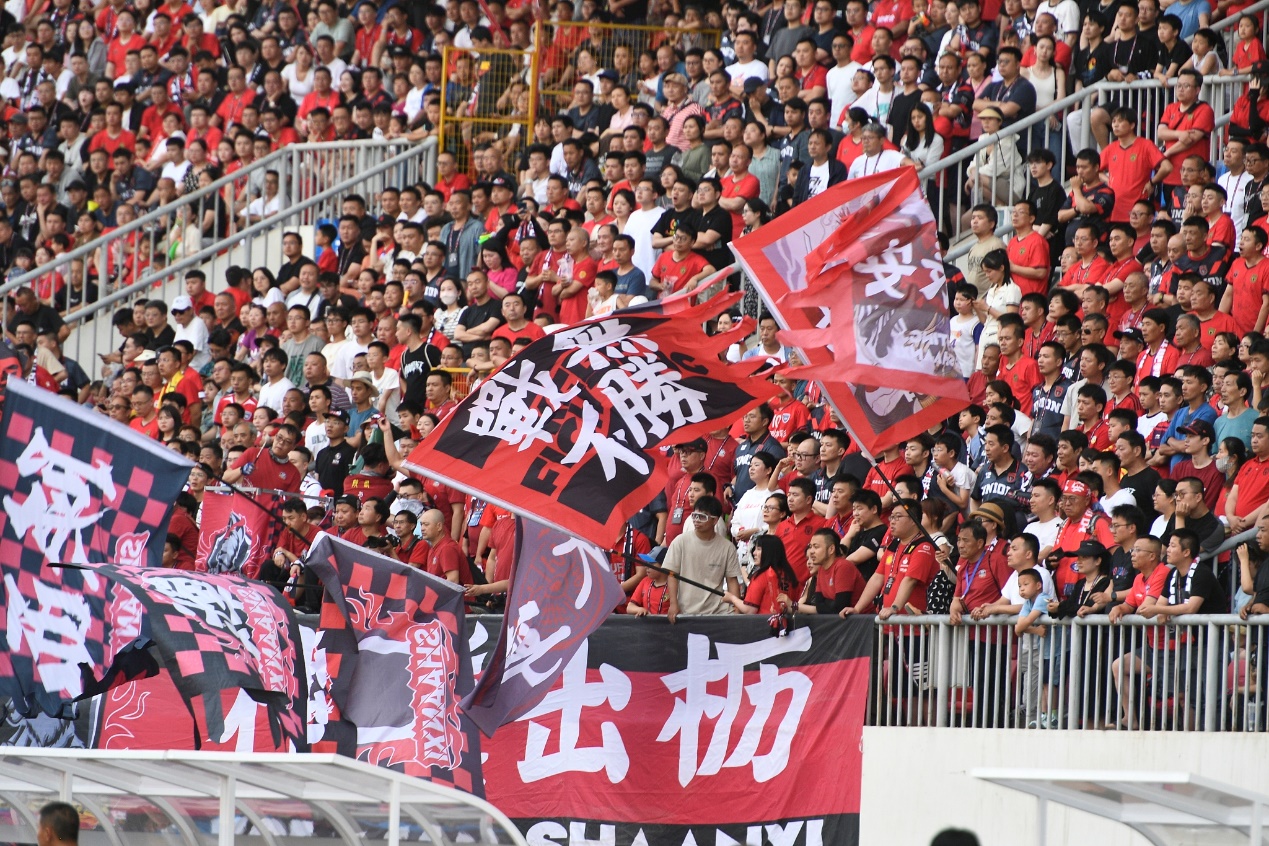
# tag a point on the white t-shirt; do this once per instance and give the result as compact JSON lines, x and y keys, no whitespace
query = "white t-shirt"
{"x":1067,"y":13}
{"x":298,"y":88}
{"x":342,"y":368}
{"x":639,"y":227}
{"x":839,"y":90}
{"x":1009,"y":593}
{"x":868,"y":165}
{"x":819,"y":180}
{"x":175,"y":171}
{"x":749,"y":70}
{"x":1046,"y":533}
{"x":963,"y":342}
{"x":390,"y":381}
{"x":272,"y":393}
{"x":315,"y":439}
{"x":1147,"y":424}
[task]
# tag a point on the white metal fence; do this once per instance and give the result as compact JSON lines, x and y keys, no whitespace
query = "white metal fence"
{"x":1194,"y":673}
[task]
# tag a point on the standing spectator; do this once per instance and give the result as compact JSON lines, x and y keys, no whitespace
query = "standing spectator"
{"x":705,"y":557}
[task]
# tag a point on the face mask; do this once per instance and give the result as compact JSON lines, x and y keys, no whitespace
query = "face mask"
{"x":449,"y":297}
{"x":1222,"y":464}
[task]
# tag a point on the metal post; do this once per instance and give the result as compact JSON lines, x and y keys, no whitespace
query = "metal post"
{"x":394,"y":813}
{"x":1073,"y":705}
{"x":943,"y":679}
{"x":228,"y":787}
{"x":1211,"y":683}
{"x":1041,"y":821}
{"x":1086,"y":130}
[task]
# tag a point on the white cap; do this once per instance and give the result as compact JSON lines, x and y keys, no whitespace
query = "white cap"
{"x":182,"y":303}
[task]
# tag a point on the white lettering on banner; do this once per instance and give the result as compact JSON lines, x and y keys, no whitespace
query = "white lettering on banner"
{"x":55,"y":633}
{"x":609,"y":450}
{"x":568,"y":701}
{"x":502,"y":410}
{"x":599,"y":343}
{"x":218,"y":607}
{"x":526,"y":645}
{"x":888,"y":269}
{"x":794,"y":833}
{"x":593,"y":558}
{"x":937,"y":279}
{"x":644,"y":391}
{"x":320,"y":706}
{"x":697,"y":705}
{"x":60,"y":500}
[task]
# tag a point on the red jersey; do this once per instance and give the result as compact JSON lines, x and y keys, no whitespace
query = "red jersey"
{"x":1098,"y":435}
{"x":104,"y":141}
{"x":840,"y":577}
{"x":1252,"y":482}
{"x":764,"y":592}
{"x":1022,"y":376}
{"x":891,"y":469}
{"x":1031,"y":252}
{"x":1250,"y":284}
{"x":1211,"y":327}
{"x":795,"y":536}
{"x":459,"y":182}
{"x":502,"y":539}
{"x":1199,"y":116}
{"x":747,"y":186}
{"x":573,"y":309}
{"x":1092,"y":525}
{"x":262,"y":469}
{"x":651,"y":597}
{"x":1129,"y":170}
{"x":1161,"y":362}
{"x":914,"y":561}
{"x":1221,"y":231}
{"x":446,"y":557}
{"x":980,"y":582}
{"x":674,"y":273}
{"x":792,"y":416}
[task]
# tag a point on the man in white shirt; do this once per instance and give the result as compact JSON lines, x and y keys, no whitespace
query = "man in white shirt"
{"x":1235,"y":181}
{"x":841,"y":75}
{"x":176,"y":166}
{"x":189,"y":327}
{"x":274,"y":386}
{"x":876,"y":157}
{"x":640,"y":223}
{"x":745,"y":66}
{"x":876,"y":101}
{"x":267,"y":205}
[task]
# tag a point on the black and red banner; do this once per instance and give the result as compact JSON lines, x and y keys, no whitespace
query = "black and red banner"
{"x":562,"y":589}
{"x":565,"y":430}
{"x":236,"y":536}
{"x":710,"y":727}
{"x":389,"y":667}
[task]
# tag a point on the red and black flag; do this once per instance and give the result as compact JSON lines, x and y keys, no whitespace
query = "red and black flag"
{"x":562,"y":589}
{"x":217,"y":632}
{"x":77,"y":487}
{"x":236,"y":535}
{"x":392,"y":664}
{"x":565,"y":430}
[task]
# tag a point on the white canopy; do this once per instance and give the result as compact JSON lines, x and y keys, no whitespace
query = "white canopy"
{"x":139,"y":798}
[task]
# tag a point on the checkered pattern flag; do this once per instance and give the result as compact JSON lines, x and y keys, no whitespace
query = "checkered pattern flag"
{"x":220,"y":632}
{"x":383,"y":621}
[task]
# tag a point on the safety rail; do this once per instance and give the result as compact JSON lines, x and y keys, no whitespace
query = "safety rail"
{"x":215,"y":214}
{"x":953,"y":189}
{"x":412,"y":163}
{"x":1192,"y":673}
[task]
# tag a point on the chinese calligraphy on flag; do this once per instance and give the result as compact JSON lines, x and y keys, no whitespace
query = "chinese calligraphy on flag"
{"x":390,"y":666}
{"x":79,"y":488}
{"x":562,"y":589}
{"x":855,"y":279}
{"x":564,"y":430}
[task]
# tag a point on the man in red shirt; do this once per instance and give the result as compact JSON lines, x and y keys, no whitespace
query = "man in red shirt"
{"x":1212,"y":321}
{"x":1090,"y":268}
{"x":576,"y":278}
{"x":679,"y":268}
{"x":980,"y":581}
{"x":1082,"y":523}
{"x":795,"y":530}
{"x":1134,"y":165}
{"x":1122,"y":265}
{"x":904,"y":571}
{"x":1246,"y":296}
{"x":115,"y":135}
{"x":446,"y":560}
{"x":739,"y":185}
{"x":448,"y":178}
{"x":271,"y":467}
{"x":892,"y":465}
{"x":790,"y":415}
{"x":682,"y":493}
{"x":1186,"y":124}
{"x":1018,"y":370}
{"x":1029,"y":255}
{"x":145,"y":418}
{"x":1249,"y":497}
{"x":1147,"y":587}
{"x":1159,"y":358}
{"x":1090,"y":402}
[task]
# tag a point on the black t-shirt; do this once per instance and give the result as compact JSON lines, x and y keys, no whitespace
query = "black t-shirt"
{"x":414,"y":369}
{"x":1199,"y":581}
{"x":291,"y":269}
{"x":900,"y":107}
{"x":1142,"y":485}
{"x":474,"y":315}
{"x":668,"y":222}
{"x":333,"y":463}
{"x":717,"y":220}
{"x":44,"y":317}
{"x":657,"y":160}
{"x":345,"y":302}
{"x":166,"y":337}
{"x":867,"y":539}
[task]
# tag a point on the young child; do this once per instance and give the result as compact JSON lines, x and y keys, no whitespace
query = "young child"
{"x":651,"y":596}
{"x":1032,"y":638}
{"x":966,"y":328}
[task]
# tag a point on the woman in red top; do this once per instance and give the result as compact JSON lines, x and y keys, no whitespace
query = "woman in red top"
{"x":774,"y":584}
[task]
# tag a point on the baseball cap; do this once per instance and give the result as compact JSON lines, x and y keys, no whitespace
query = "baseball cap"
{"x":182,"y":304}
{"x":1132,"y":335}
{"x":1091,"y":549}
{"x":501,"y":182}
{"x":339,"y":414}
{"x":609,"y":74}
{"x":348,"y":499}
{"x":695,"y":445}
{"x":1200,"y":429}
{"x":146,"y":355}
{"x":752,"y":84}
{"x":387,"y":220}
{"x":1075,"y":487}
{"x":17,"y":117}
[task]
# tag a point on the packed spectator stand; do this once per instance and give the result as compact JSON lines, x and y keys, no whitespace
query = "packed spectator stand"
{"x":353,"y":214}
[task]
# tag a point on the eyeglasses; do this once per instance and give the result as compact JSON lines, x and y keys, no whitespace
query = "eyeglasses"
{"x":700,"y":517}
{"x":806,"y":455}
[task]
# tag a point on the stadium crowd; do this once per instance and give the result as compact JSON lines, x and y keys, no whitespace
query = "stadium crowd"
{"x":1113,"y":344}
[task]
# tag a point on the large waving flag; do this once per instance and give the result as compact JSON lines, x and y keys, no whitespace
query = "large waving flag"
{"x":562,"y":590}
{"x":564,"y":431}
{"x":855,"y":279}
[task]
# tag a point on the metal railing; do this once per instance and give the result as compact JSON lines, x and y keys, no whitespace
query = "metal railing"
{"x":255,"y":243}
{"x":211,"y":216}
{"x":954,"y":186}
{"x":1194,"y":673}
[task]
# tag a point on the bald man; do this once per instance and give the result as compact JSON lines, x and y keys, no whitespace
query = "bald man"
{"x":446,"y":560}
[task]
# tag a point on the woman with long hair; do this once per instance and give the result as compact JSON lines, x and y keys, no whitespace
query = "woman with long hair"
{"x":1049,"y":81}
{"x":88,"y":44}
{"x":773,"y":583}
{"x":755,"y":215}
{"x":298,"y":75}
{"x":1231,"y":455}
{"x":494,"y":261}
{"x":265,"y":286}
{"x":924,"y":146}
{"x":452,"y":304}
{"x":169,"y":423}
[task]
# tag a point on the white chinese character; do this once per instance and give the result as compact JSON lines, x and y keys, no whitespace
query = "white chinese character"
{"x":645,"y":392}
{"x":525,"y":646}
{"x":58,"y":504}
{"x":217,"y":607}
{"x":698,"y":705}
{"x":502,"y":406}
{"x":55,"y":632}
{"x":593,"y":558}
{"x":888,"y":269}
{"x":609,"y":450}
{"x":577,"y":693}
{"x":937,"y":278}
{"x":598,"y":343}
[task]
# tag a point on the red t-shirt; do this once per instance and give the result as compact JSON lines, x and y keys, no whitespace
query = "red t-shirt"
{"x":980,"y":582}
{"x":788,"y":418}
{"x":1078,"y":274}
{"x":892,"y":470}
{"x":1253,"y":486}
{"x":573,"y":309}
{"x":457,"y":183}
{"x":150,"y":430}
{"x":502,"y":538}
{"x":1129,"y":171}
{"x":103,"y":141}
{"x":1022,"y":376}
{"x":674,"y":274}
{"x":915,"y":561}
{"x":447,"y":557}
{"x":1199,"y":116}
{"x":747,"y":186}
{"x":1250,"y":284}
{"x":529,"y":330}
{"x":795,"y":537}
{"x":1214,"y":325}
{"x":764,"y":591}
{"x":1031,"y":252}
{"x":842,"y":576}
{"x":1221,"y":231}
{"x":117,"y":50}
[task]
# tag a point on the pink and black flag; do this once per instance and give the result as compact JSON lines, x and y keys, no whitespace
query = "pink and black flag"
{"x":855,"y":280}
{"x":562,"y":589}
